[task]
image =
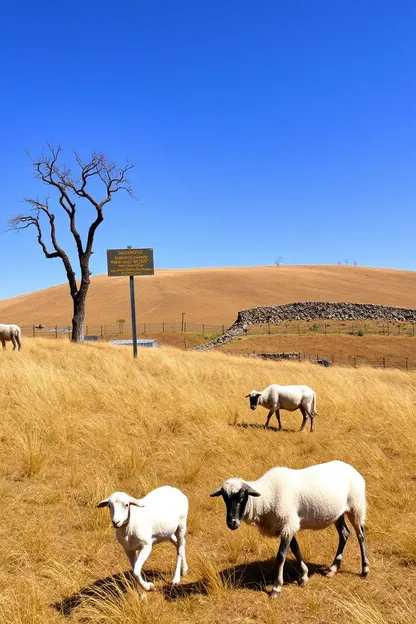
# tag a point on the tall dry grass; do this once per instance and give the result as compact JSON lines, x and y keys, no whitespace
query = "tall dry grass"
{"x":78,"y":422}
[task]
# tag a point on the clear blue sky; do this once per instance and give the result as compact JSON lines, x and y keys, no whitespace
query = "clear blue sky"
{"x":258,"y":129}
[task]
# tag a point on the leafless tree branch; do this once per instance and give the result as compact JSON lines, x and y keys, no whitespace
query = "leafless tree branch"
{"x":69,"y":188}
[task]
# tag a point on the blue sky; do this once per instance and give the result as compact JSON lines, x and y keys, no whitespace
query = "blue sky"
{"x":257,"y":129}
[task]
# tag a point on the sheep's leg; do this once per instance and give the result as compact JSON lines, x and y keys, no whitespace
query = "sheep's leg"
{"x":3,"y":342}
{"x":181,"y":565}
{"x":360,"y":531}
{"x":305,"y":417}
{"x":132,"y":555}
{"x":344,"y":533}
{"x":13,"y":339}
{"x":278,"y":418}
{"x":294,"y":547}
{"x":137,"y":562}
{"x":269,"y":415}
{"x":281,"y":558}
{"x":312,"y":416}
{"x":19,"y":343}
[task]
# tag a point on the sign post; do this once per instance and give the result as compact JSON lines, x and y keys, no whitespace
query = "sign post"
{"x":130,"y":262}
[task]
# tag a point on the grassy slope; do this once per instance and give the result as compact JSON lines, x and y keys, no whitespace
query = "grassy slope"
{"x":80,"y":422}
{"x":343,"y":349}
{"x":213,"y":295}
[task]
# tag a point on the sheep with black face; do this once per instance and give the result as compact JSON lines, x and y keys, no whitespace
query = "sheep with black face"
{"x":284,"y":501}
{"x":275,"y":397}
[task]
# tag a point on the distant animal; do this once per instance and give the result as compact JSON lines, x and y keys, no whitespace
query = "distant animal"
{"x":159,"y":516}
{"x":275,"y":397}
{"x":284,"y":501}
{"x":323,"y":362}
{"x":11,"y":333}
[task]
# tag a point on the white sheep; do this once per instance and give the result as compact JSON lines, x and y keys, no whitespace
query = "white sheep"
{"x":284,"y":501}
{"x":275,"y":397}
{"x":159,"y":516}
{"x":11,"y":333}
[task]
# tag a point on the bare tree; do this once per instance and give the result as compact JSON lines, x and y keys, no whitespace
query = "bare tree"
{"x":68,"y":189}
{"x":355,"y":263}
{"x":346,"y":262}
{"x":278,"y":261}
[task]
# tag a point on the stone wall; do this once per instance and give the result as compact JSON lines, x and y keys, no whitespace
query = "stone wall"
{"x":293,"y":355}
{"x":310,"y":311}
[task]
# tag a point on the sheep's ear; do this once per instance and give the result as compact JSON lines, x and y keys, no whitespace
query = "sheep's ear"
{"x":247,"y":395}
{"x":250,"y":490}
{"x":103,"y":503}
{"x":217,"y":493}
{"x":135,"y":502}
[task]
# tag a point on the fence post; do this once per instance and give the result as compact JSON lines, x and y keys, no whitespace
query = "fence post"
{"x":384,"y":362}
{"x":407,"y":363}
{"x":184,"y":338}
{"x":355,"y":362}
{"x":184,"y":327}
{"x":101,"y":335}
{"x":56,"y":331}
{"x":34,"y":331}
{"x":163,"y":327}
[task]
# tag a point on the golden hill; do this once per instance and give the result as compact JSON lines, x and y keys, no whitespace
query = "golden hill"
{"x":213,"y":295}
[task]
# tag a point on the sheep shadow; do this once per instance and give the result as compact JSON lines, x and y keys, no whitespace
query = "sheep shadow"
{"x":244,"y":425}
{"x":254,"y":576}
{"x":110,"y":586}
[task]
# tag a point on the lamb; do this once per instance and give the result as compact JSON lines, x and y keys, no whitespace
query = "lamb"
{"x":159,"y":516}
{"x":11,"y":333}
{"x":284,"y":501}
{"x":290,"y":398}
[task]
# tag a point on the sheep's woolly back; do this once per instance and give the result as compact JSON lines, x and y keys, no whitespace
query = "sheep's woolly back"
{"x":312,"y":497}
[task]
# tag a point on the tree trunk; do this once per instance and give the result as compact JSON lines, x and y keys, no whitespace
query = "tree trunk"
{"x":79,"y":317}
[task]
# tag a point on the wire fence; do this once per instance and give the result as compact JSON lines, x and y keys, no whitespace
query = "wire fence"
{"x":355,"y":361}
{"x":352,"y":328}
{"x":122,"y":329}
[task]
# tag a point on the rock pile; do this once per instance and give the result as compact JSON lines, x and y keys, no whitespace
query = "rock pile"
{"x":310,"y":311}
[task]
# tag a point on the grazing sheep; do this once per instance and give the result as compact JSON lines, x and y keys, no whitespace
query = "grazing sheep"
{"x":11,"y":333}
{"x":159,"y":516}
{"x":284,"y":501}
{"x":274,"y":398}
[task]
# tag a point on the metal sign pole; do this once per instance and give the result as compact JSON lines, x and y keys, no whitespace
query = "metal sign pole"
{"x":130,"y":262}
{"x":133,"y":316}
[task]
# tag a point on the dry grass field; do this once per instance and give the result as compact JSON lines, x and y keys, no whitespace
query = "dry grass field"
{"x":342,"y":350}
{"x":213,"y":295}
{"x":79,"y":422}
